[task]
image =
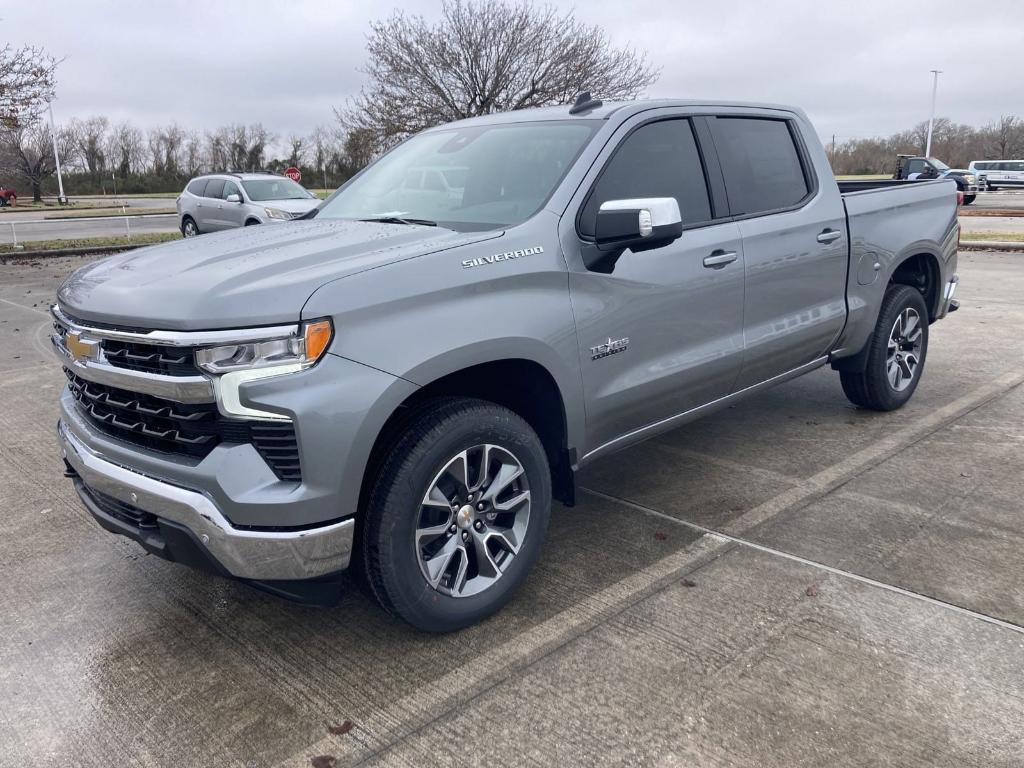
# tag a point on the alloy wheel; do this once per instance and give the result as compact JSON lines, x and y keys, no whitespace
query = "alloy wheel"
{"x":472,"y":520}
{"x":903,"y":356}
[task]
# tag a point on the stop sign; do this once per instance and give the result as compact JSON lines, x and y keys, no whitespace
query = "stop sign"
{"x":293,"y":173}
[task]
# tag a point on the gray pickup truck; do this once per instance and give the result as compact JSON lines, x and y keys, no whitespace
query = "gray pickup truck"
{"x":401,"y":382}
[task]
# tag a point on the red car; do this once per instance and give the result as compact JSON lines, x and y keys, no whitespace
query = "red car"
{"x":8,"y":196}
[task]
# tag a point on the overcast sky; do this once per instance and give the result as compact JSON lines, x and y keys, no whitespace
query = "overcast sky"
{"x":859,"y":68}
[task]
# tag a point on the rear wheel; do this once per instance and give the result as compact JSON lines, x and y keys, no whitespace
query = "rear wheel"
{"x":188,"y":227}
{"x":898,"y":347}
{"x":457,"y":516}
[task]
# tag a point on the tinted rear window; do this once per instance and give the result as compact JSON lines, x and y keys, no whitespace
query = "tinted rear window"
{"x":215,"y":188}
{"x":656,"y":160}
{"x":761,"y":164}
{"x":196,"y":187}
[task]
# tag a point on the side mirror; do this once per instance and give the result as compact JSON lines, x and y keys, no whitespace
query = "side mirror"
{"x":233,"y":198}
{"x":639,"y":224}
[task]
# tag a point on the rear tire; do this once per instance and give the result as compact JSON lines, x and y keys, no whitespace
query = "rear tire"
{"x":457,"y":515}
{"x":189,"y":228}
{"x":896,"y":357}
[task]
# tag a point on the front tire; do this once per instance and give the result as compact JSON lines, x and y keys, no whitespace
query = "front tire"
{"x":968,"y":199}
{"x":457,"y":516}
{"x":898,"y":348}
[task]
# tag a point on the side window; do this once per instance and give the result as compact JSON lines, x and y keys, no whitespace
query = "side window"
{"x":230,"y":188}
{"x":915,"y":166}
{"x":761,"y":164}
{"x":215,"y":189}
{"x":197,"y":187}
{"x":656,"y":160}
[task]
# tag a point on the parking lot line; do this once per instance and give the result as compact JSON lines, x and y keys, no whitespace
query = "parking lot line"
{"x":427,"y":705}
{"x":813,"y":563}
{"x":827,"y":480}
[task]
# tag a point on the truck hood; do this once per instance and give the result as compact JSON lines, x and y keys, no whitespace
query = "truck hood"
{"x":245,"y":277}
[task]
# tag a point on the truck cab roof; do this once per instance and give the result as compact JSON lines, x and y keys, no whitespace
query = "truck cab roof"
{"x":619,"y":109}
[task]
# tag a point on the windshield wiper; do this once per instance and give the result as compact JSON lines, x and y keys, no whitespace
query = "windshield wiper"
{"x":401,"y":220}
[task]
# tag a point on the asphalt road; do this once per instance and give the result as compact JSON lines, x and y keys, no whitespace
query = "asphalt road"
{"x":790,"y":582}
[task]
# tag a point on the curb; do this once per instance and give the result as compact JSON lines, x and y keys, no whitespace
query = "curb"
{"x":93,"y":249}
{"x":990,"y":245}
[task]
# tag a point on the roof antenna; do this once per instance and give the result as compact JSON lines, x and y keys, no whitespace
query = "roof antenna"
{"x":584,"y":103}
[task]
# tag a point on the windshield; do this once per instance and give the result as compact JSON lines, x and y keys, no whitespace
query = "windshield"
{"x":275,"y":189}
{"x":939,"y":165}
{"x":466,"y":179}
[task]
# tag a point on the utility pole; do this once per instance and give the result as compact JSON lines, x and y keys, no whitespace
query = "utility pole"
{"x":833,"y":151}
{"x":61,"y":199}
{"x":931,"y":120}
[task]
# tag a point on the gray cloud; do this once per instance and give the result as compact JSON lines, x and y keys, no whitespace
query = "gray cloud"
{"x":858,"y":68}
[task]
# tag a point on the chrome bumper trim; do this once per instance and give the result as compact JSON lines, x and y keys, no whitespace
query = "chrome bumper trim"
{"x":180,"y":389}
{"x":258,"y":555}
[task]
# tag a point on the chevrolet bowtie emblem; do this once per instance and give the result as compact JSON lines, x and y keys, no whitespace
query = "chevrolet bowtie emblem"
{"x":80,"y":349}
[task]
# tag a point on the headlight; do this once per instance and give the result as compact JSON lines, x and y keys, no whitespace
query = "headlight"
{"x":296,"y":351}
{"x":277,"y":213}
{"x":970,"y":178}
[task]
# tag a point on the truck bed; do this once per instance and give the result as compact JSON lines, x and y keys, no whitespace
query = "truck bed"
{"x":886,"y":221}
{"x":860,"y":186}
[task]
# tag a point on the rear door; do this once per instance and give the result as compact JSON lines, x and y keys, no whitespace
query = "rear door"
{"x":794,"y":244}
{"x":210,"y":212}
{"x":659,"y":332}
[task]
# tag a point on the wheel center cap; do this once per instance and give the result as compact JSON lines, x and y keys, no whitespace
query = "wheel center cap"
{"x":464,"y":517}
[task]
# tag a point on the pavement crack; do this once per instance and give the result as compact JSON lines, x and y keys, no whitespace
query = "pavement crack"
{"x":1003,"y":623}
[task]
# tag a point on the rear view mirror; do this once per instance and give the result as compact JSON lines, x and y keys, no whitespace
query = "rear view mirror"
{"x":639,"y":224}
{"x":233,"y":198}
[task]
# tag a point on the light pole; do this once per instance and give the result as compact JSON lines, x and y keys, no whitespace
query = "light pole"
{"x":931,"y":120}
{"x":61,"y":199}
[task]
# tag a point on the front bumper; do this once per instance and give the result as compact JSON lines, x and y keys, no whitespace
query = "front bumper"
{"x":254,"y":555}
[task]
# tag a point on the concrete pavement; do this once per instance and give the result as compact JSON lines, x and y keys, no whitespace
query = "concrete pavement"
{"x":860,"y":604}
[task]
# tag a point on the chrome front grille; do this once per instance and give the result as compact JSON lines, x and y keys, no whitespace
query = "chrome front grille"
{"x":144,"y":388}
{"x":171,"y":361}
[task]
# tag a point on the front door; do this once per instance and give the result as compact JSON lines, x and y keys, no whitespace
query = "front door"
{"x":231,"y":214}
{"x":660,"y":332}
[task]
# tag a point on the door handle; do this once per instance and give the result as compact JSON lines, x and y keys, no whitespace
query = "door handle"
{"x":829,"y":236}
{"x":719,"y":259}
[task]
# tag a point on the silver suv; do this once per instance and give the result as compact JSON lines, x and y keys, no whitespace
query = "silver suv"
{"x":227,"y":200}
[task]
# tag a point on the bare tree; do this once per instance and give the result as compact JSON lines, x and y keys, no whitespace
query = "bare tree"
{"x":297,"y":150}
{"x":1004,"y":139}
{"x":27,"y":151}
{"x":359,"y":148}
{"x":26,"y":83}
{"x":238,"y":147}
{"x":192,"y":154}
{"x":92,"y":142}
{"x":125,"y":149}
{"x":484,"y":56}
